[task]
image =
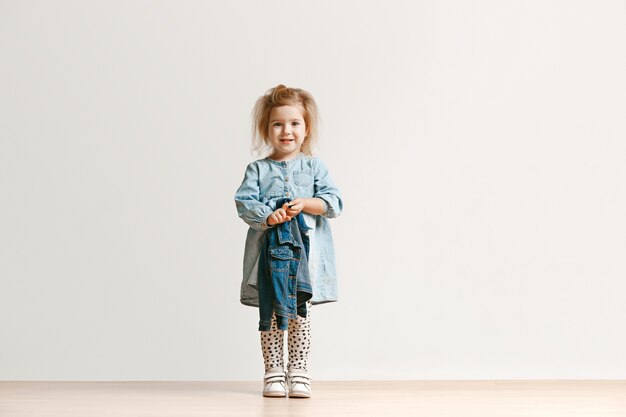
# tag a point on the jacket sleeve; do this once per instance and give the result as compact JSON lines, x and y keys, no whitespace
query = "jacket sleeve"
{"x":326,"y":189}
{"x":247,"y":200}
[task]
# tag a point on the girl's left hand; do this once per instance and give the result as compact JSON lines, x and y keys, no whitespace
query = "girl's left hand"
{"x":295,"y":207}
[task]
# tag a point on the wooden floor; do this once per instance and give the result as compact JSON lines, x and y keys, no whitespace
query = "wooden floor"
{"x":340,"y":398}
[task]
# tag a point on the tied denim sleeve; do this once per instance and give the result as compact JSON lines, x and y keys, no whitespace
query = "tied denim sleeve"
{"x":326,"y":189}
{"x":250,"y":208}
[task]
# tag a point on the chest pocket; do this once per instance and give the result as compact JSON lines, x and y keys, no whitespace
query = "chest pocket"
{"x":280,"y":259}
{"x":303,"y":178}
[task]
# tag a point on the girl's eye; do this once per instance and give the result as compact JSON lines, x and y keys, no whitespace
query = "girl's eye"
{"x":296,"y":123}
{"x":276,"y":124}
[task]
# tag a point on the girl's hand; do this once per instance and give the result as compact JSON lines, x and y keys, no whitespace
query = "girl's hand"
{"x":295,"y":207}
{"x":278,"y":216}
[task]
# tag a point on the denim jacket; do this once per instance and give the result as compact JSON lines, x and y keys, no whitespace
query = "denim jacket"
{"x":265,"y":183}
{"x":283,"y":282}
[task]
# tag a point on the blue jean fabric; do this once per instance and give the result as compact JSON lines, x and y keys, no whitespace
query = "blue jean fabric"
{"x":265,"y":183}
{"x":283,"y":275}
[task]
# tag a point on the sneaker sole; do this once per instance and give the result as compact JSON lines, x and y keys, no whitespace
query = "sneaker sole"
{"x":299,"y":394}
{"x":274,"y":394}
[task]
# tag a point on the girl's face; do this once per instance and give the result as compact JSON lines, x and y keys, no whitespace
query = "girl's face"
{"x":286,"y":132}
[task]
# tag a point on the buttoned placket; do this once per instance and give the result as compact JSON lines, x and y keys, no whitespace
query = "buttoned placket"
{"x":293,"y":276}
{"x":293,"y":283}
{"x":286,"y":179}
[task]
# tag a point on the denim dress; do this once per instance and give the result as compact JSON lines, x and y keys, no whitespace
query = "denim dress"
{"x":265,"y":183}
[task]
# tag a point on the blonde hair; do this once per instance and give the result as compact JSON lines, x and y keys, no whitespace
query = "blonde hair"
{"x":283,"y":96}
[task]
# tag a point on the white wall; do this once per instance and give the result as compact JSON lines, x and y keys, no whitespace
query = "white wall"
{"x":479,"y":146}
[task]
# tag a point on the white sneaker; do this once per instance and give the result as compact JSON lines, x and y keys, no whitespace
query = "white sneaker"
{"x":299,"y":384}
{"x":274,"y":384}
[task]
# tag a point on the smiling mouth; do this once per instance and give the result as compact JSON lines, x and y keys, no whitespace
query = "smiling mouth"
{"x":286,"y":140}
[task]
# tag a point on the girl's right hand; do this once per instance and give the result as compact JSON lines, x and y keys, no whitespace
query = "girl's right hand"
{"x":278,"y":216}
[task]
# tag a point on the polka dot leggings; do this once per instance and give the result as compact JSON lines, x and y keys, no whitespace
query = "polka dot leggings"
{"x":299,"y":338}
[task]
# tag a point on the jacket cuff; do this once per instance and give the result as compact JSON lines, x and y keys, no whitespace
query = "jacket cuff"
{"x":325,"y":209}
{"x":264,"y":225}
{"x":329,"y":209}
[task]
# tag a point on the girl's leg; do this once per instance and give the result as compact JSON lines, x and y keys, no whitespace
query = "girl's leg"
{"x":300,"y":341}
{"x":272,"y":345}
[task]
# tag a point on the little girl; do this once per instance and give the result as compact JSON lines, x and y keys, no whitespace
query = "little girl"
{"x":285,"y":128}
